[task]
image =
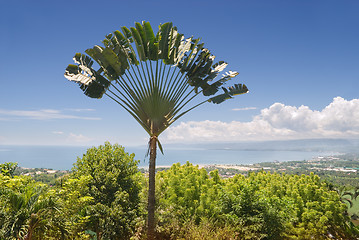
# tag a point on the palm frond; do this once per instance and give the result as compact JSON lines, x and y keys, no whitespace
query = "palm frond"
{"x":237,"y":89}
{"x":152,"y":76}
{"x":91,"y":82}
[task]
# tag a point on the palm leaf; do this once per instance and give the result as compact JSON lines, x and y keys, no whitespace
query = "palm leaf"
{"x":164,"y":33}
{"x":229,"y":93}
{"x":157,"y":82}
{"x":93,"y":84}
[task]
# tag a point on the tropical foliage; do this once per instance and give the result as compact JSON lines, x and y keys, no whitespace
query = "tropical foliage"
{"x":104,"y":197}
{"x":112,"y":184}
{"x":25,"y":208}
{"x":100,"y":197}
{"x":8,"y":168}
{"x":168,"y":77}
{"x":259,"y":206}
{"x":157,"y":83}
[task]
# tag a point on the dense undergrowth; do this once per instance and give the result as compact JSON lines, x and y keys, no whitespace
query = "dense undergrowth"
{"x":104,"y":197}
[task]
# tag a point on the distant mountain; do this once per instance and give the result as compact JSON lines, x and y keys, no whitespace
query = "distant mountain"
{"x":315,"y":145}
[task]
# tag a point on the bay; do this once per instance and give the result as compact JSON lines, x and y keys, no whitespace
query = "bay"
{"x":63,"y":157}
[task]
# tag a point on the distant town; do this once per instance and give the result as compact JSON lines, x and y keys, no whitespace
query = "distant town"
{"x":338,"y":169}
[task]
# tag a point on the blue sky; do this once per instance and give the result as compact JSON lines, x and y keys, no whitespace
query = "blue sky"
{"x":300,"y":60}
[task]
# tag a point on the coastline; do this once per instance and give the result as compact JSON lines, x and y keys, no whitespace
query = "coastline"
{"x":223,"y":166}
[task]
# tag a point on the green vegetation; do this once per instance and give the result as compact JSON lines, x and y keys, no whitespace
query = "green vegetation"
{"x":259,"y":206}
{"x":338,"y":170}
{"x":112,"y":182}
{"x":99,"y":197}
{"x":168,"y":77}
{"x":105,"y":197}
{"x":25,"y":207}
{"x":44,"y":175}
{"x":8,"y":169}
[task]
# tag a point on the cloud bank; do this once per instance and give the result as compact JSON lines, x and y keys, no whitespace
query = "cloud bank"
{"x":43,"y":114}
{"x":340,"y":119}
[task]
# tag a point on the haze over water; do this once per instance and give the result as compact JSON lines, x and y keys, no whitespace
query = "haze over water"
{"x":63,"y":157}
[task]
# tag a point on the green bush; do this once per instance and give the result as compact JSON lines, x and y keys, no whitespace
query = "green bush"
{"x":259,"y":206}
{"x":25,"y":207}
{"x":109,"y":187}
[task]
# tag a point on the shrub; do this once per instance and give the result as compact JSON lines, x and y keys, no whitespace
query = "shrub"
{"x":113,"y":184}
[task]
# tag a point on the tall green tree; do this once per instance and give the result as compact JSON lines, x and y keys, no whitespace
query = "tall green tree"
{"x":157,"y":78}
{"x":114,"y":186}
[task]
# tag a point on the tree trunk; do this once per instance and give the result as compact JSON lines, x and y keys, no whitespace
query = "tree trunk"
{"x":28,"y":235}
{"x":151,"y":189}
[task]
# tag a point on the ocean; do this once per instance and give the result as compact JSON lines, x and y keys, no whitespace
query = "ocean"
{"x":63,"y":157}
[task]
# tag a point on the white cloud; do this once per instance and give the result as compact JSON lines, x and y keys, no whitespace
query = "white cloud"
{"x":340,"y":119}
{"x":78,"y":138}
{"x":70,"y":138}
{"x":58,"y":132}
{"x":81,"y":109}
{"x":43,"y":114}
{"x":244,"y":109}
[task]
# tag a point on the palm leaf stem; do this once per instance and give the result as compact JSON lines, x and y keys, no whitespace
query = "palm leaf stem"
{"x":152,"y":83}
{"x":132,"y":101}
{"x":132,"y":114}
{"x":181,"y":105}
{"x":157,"y":76}
{"x":132,"y":105}
{"x":151,"y":79}
{"x":128,"y":103}
{"x":163,"y":68}
{"x":118,"y":90}
{"x":179,"y":116}
{"x":183,"y":113}
{"x":163,"y":72}
{"x":171,"y":85}
{"x":176,"y":86}
{"x":184,"y":98}
{"x":138,"y":88}
{"x":172,"y":80}
{"x":168,"y":73}
{"x":142,"y":82}
{"x":135,"y":89}
{"x":147,"y":81}
{"x":182,"y":89}
{"x":127,"y":90}
{"x":164,"y":81}
{"x":144,"y":79}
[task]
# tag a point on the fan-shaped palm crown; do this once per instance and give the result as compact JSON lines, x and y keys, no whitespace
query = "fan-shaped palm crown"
{"x":158,"y":81}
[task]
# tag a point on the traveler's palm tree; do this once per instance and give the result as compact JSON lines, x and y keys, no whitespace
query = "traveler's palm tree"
{"x":166,"y":77}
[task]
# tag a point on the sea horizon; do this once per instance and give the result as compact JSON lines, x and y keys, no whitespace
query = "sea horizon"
{"x":63,"y":157}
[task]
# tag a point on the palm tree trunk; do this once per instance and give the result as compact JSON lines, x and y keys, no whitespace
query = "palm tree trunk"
{"x":151,"y":189}
{"x":28,"y":235}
